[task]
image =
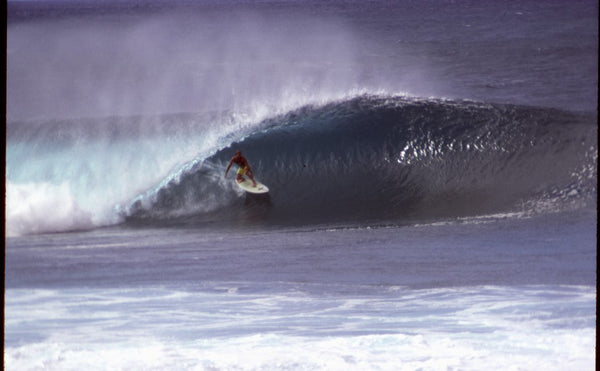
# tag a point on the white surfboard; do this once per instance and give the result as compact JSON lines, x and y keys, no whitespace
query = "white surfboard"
{"x":246,"y":185}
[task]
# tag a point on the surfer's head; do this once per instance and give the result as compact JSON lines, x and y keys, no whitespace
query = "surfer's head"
{"x":238,"y":153}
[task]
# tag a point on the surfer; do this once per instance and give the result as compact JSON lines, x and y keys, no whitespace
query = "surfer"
{"x":244,"y":169}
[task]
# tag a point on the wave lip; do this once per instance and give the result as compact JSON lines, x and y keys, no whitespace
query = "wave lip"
{"x":389,"y":158}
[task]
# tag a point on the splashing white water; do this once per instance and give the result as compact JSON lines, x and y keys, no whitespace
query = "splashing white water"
{"x":42,"y":207}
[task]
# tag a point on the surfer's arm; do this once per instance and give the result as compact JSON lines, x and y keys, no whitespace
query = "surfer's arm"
{"x":228,"y":166}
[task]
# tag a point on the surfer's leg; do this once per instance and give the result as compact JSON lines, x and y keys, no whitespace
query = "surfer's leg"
{"x":251,"y":176}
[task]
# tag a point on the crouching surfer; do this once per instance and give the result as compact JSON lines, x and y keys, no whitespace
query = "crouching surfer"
{"x":244,"y":169}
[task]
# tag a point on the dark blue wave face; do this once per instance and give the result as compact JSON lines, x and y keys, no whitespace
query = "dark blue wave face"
{"x":395,"y":159}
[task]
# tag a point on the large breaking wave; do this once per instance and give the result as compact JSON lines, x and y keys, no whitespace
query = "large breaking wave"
{"x":362,"y":159}
{"x":389,"y":159}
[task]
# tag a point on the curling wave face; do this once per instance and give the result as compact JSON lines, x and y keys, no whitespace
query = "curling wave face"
{"x":391,"y":159}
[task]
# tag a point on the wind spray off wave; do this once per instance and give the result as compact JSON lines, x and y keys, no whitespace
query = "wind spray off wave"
{"x":94,"y":107}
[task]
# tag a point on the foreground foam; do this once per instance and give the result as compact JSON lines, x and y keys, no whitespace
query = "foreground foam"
{"x":487,"y":327}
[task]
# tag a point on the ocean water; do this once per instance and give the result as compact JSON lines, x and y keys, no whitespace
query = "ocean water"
{"x":433,"y":176}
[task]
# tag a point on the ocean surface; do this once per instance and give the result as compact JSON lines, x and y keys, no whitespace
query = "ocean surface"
{"x":432,"y":167}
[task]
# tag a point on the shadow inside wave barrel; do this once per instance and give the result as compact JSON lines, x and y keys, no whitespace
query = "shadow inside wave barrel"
{"x":247,"y":210}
